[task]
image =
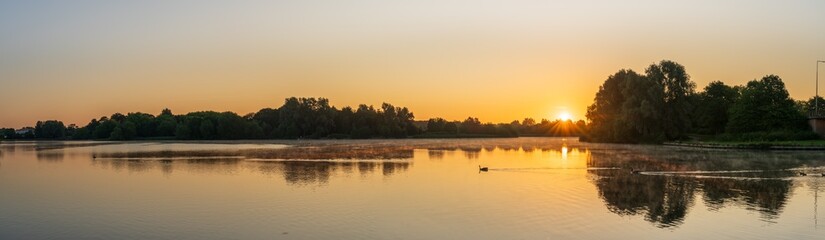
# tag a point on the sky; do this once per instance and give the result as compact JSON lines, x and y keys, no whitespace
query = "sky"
{"x":495,"y":60}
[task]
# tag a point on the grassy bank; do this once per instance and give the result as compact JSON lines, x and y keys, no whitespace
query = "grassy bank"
{"x":768,"y":145}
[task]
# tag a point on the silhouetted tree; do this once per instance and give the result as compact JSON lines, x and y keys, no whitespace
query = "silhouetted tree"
{"x":51,"y":129}
{"x":128,"y":130}
{"x":809,"y":107}
{"x":105,"y":128}
{"x":145,"y":124}
{"x":677,"y":88}
{"x":451,"y":127}
{"x":712,"y":107}
{"x":632,"y":108}
{"x":207,"y":129}
{"x":765,"y":105}
{"x":627,"y":108}
{"x":269,"y":119}
{"x":117,"y":134}
{"x":8,"y":133}
{"x":436,"y":125}
{"x":182,"y":131}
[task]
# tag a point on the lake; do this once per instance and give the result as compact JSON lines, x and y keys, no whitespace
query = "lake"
{"x":536,"y":188}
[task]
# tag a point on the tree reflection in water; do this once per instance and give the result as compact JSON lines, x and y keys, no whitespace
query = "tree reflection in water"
{"x":663,"y":200}
{"x":319,"y":172}
{"x":673,"y":179}
{"x":665,"y":190}
{"x":50,"y":156}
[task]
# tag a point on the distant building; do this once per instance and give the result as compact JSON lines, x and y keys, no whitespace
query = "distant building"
{"x":24,"y":131}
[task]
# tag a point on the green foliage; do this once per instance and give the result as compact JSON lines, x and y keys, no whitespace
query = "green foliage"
{"x":712,"y":107}
{"x":8,"y":133}
{"x":51,"y":129}
{"x":129,"y":130}
{"x":471,"y":127}
{"x":306,"y":117}
{"x":104,"y":129}
{"x":145,"y":124}
{"x":207,"y":129}
{"x":765,"y":104}
{"x":628,"y":108}
{"x":362,"y":132}
{"x":82,"y":133}
{"x":117,"y":134}
{"x":810,"y":107}
{"x":662,"y":105}
{"x":268,"y":119}
{"x":166,"y":125}
{"x":451,"y":127}
{"x":677,"y":88}
{"x":182,"y":131}
{"x":436,"y":125}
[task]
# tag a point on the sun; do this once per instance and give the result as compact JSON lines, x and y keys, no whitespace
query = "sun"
{"x":564,"y":116}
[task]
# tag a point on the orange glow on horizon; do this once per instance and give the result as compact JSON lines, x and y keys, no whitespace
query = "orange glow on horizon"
{"x":497,"y":62}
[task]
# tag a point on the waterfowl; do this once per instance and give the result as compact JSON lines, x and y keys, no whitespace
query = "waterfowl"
{"x":634,"y":171}
{"x":803,"y":174}
{"x":483,"y":169}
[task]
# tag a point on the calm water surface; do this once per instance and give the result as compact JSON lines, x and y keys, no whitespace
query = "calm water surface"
{"x":537,"y":188}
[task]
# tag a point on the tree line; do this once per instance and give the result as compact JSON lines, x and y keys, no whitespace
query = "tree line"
{"x":527,"y":127}
{"x":297,"y":118}
{"x":663,"y":105}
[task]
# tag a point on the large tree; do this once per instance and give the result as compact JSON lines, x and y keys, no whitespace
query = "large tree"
{"x":677,"y":89}
{"x":631,"y":107}
{"x":51,"y":129}
{"x":765,"y":105}
{"x":627,"y":108}
{"x":712,"y":107}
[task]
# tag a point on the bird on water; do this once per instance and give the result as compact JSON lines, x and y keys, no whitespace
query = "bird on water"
{"x":803,"y":174}
{"x":483,"y":169}
{"x":634,"y":171}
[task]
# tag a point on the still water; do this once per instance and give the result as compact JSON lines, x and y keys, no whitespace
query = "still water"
{"x":536,"y":188}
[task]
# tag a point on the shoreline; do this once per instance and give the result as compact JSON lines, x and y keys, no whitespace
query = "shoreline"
{"x":747,"y":146}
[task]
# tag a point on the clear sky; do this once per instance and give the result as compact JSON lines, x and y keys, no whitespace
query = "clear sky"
{"x":495,"y":60}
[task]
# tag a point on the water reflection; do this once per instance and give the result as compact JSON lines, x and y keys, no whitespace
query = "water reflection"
{"x":435,"y":154}
{"x":664,"y":192}
{"x":168,"y":166}
{"x":320,"y":172}
{"x":299,"y":172}
{"x":471,"y":152}
{"x":672,"y":183}
{"x":50,"y":156}
{"x":663,"y":200}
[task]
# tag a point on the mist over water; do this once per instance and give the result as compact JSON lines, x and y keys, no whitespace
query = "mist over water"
{"x":405,"y":189}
